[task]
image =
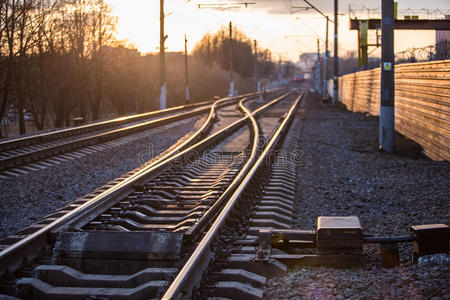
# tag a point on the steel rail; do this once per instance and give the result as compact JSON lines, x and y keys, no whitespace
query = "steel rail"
{"x":143,"y":175}
{"x":206,"y":124}
{"x":71,"y":145}
{"x":34,"y":155}
{"x":62,"y":133}
{"x":11,"y":257}
{"x":212,"y":211}
{"x":38,"y":234}
{"x":196,"y":257}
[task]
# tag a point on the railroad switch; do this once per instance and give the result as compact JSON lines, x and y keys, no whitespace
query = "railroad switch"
{"x":338,"y":241}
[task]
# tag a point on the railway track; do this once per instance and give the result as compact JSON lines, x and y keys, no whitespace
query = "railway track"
{"x":226,"y":263}
{"x":150,"y":233}
{"x":54,"y":135}
{"x":25,"y":154}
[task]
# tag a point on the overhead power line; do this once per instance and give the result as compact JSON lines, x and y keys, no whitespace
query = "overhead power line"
{"x":224,"y":6}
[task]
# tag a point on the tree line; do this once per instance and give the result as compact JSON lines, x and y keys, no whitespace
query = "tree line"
{"x":51,"y":57}
{"x":214,"y":48}
{"x":60,"y":59}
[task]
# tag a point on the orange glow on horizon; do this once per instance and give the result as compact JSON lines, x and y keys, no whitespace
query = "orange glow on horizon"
{"x":138,"y":24}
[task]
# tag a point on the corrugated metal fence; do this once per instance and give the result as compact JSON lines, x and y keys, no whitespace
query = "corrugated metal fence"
{"x":422,"y":102}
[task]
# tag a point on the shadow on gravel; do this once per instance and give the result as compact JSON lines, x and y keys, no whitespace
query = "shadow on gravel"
{"x":365,"y":135}
{"x":407,"y":148}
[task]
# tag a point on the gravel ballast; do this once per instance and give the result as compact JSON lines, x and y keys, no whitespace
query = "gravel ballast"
{"x":27,"y":198}
{"x":342,"y":173}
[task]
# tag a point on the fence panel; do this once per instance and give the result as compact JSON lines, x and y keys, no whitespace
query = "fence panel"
{"x":422,"y":102}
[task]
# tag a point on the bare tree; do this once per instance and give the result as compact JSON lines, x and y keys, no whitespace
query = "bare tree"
{"x":42,"y":61}
{"x":22,"y":22}
{"x":24,"y":42}
{"x":9,"y":18}
{"x":60,"y":58}
{"x":123,"y":78}
{"x":213,"y":48}
{"x":102,"y":33}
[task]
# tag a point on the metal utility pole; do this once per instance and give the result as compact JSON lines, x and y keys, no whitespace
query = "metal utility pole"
{"x":279,"y":69}
{"x":230,"y":60}
{"x":186,"y":73}
{"x":224,"y":6}
{"x":255,"y":65}
{"x":325,"y":64}
{"x":162,"y":57}
{"x":317,"y":81}
{"x":386,"y":137}
{"x":325,"y":59}
{"x":258,"y":83}
{"x":336,"y":59}
{"x":319,"y":77}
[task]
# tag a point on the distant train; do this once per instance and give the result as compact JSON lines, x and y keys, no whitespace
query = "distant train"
{"x":299,"y":77}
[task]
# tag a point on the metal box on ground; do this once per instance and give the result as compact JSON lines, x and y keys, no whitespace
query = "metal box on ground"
{"x":430,"y":239}
{"x":339,"y":233}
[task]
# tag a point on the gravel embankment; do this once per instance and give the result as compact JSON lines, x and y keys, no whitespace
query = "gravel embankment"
{"x":26,"y":199}
{"x":342,"y":173}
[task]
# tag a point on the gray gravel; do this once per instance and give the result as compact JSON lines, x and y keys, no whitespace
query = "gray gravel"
{"x":28,"y":198}
{"x":342,"y":173}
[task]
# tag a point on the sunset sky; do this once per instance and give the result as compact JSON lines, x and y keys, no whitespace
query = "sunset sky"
{"x":271,"y":22}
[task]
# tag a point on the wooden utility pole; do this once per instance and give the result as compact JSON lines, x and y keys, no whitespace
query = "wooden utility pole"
{"x":230,"y":60}
{"x":162,"y":57}
{"x":186,"y":73}
{"x":387,"y":132}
